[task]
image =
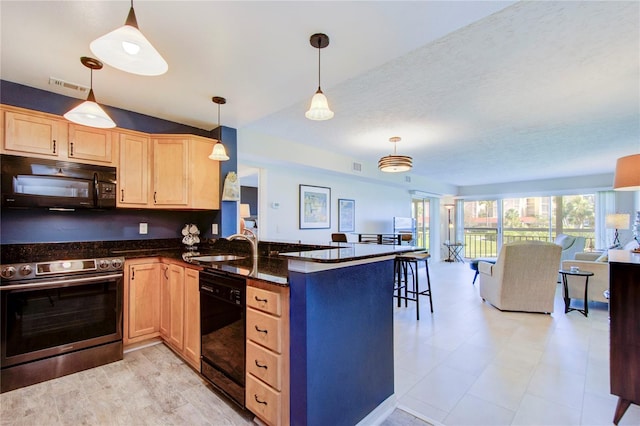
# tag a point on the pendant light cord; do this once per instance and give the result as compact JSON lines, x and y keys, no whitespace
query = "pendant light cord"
{"x":319,"y":67}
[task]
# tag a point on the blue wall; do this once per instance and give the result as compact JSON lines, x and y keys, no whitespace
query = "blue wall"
{"x":40,"y":225}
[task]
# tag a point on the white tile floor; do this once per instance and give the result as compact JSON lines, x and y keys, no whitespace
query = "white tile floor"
{"x":465,"y":364}
{"x":470,"y":364}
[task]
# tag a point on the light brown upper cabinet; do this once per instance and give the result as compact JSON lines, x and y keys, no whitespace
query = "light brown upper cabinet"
{"x":88,"y":143}
{"x":42,"y":135}
{"x":33,"y":133}
{"x":133,"y":170}
{"x":182,"y":174}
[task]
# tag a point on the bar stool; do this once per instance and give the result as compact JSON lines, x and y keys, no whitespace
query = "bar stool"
{"x":407,"y":264}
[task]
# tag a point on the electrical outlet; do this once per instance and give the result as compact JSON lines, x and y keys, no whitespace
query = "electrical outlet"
{"x":143,"y":229}
{"x":214,"y":228}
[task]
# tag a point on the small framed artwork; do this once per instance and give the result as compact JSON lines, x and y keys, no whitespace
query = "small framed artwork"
{"x":346,"y":215}
{"x":315,"y":207}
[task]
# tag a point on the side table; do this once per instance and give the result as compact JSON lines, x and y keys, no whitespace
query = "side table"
{"x":567,"y":300}
{"x":454,"y":252}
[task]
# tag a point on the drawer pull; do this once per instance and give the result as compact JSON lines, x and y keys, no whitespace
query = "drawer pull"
{"x":260,"y":300}
{"x":260,"y":330}
{"x":261,"y":365}
{"x":258,"y":400}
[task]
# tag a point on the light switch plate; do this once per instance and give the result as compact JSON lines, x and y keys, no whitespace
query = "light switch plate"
{"x":143,"y":228}
{"x":214,"y":228}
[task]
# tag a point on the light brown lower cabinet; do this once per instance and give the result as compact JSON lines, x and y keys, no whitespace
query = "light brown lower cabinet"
{"x":162,"y":298}
{"x":267,"y":356}
{"x":141,"y":300}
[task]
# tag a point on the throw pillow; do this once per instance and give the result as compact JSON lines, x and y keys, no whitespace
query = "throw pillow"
{"x":604,"y":257}
{"x":564,"y":241}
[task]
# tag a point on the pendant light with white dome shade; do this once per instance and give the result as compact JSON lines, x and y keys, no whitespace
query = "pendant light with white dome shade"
{"x":127,"y":49}
{"x":89,"y":113}
{"x":319,"y":109}
{"x":219,"y":153}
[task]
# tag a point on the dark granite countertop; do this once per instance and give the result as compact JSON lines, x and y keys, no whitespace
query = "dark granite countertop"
{"x":271,"y":265}
{"x":345,"y":252}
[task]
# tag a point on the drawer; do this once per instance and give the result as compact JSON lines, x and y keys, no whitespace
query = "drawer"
{"x":264,"y":300}
{"x":265,"y":365}
{"x":263,"y":401}
{"x":264,"y":329}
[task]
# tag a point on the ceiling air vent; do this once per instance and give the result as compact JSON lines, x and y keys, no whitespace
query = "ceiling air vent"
{"x":356,"y":167}
{"x":65,"y":84}
{"x":407,"y":179}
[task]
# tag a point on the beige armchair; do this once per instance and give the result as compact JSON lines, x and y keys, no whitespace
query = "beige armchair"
{"x":524,"y":278}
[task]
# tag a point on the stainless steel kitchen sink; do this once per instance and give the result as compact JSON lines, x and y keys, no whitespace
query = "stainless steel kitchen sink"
{"x":217,"y":258}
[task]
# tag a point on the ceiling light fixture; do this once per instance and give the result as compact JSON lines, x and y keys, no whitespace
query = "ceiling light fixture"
{"x":127,"y":49}
{"x":219,"y":153}
{"x":319,"y":109}
{"x":627,"y":177}
{"x":89,"y":113}
{"x":395,"y":163}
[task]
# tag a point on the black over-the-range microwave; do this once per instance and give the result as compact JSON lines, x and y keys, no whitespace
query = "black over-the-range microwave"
{"x":35,"y":182}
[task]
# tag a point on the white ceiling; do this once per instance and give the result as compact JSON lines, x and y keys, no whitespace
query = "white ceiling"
{"x":480,"y":92}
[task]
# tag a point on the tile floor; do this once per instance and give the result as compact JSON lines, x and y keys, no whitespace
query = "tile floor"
{"x":471,"y":364}
{"x":465,"y":364}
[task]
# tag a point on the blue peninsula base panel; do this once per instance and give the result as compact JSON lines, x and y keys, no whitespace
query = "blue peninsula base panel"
{"x":341,"y":343}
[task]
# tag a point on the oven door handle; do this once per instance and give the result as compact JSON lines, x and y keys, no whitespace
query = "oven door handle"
{"x":63,"y":283}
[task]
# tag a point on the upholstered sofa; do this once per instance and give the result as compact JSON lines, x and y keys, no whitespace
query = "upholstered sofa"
{"x":570,"y":245}
{"x":598,"y":263}
{"x":524,"y":278}
{"x":598,"y":283}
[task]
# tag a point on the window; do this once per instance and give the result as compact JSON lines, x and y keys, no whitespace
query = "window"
{"x":490,"y":223}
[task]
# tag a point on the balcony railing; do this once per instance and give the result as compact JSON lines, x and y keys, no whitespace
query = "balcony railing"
{"x":483,"y":242}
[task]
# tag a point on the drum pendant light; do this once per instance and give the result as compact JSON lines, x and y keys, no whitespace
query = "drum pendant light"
{"x":319,"y":109}
{"x":127,"y":49}
{"x":219,"y":153}
{"x":89,"y":113}
{"x":395,"y":163}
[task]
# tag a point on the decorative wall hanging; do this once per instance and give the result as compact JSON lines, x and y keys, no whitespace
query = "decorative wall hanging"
{"x":231,"y":189}
{"x":346,"y":215}
{"x":315,"y":207}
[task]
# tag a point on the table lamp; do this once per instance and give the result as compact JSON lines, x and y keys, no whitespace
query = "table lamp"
{"x":245,"y":211}
{"x":617,"y":221}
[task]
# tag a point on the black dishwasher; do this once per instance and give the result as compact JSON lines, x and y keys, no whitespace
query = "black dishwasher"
{"x":222,"y":325}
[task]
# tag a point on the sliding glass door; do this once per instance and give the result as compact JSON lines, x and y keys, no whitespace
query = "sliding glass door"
{"x":490,"y":223}
{"x":420,"y":208}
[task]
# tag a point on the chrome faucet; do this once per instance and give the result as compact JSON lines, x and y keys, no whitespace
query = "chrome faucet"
{"x":252,"y":238}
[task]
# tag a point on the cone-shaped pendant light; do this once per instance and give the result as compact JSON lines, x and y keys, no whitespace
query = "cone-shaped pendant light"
{"x":127,"y":49}
{"x":319,"y":109}
{"x":219,"y":153}
{"x":395,"y":163}
{"x":89,"y":113}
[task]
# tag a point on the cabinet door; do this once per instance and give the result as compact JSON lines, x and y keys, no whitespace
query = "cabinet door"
{"x":192,"y":317}
{"x":172,"y":305}
{"x":165,"y":302}
{"x":88,"y":143}
{"x":204,"y":175}
{"x":144,"y":299}
{"x":133,"y":171}
{"x":34,"y":134}
{"x":176,"y":291}
{"x":170,"y":172}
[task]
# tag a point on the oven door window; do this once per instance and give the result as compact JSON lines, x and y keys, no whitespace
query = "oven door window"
{"x":45,"y":322}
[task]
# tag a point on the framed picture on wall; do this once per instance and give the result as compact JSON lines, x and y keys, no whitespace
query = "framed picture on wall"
{"x":346,"y":215}
{"x":315,"y":207}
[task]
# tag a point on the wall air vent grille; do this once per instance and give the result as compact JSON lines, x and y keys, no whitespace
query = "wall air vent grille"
{"x":407,"y":179}
{"x":73,"y":86}
{"x":356,"y":167}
